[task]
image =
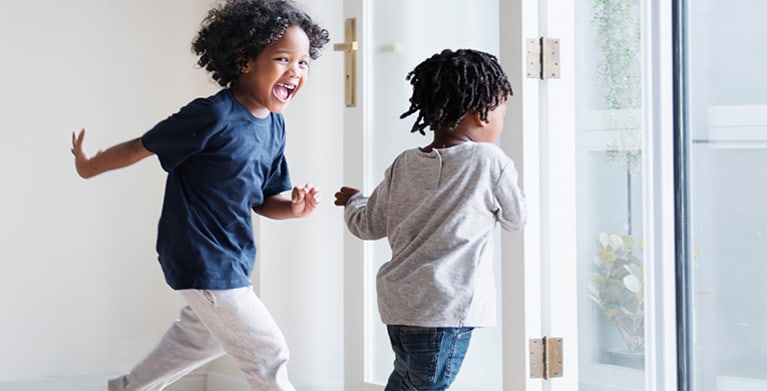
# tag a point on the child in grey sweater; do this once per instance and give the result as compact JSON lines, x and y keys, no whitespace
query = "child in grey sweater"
{"x":438,"y":206}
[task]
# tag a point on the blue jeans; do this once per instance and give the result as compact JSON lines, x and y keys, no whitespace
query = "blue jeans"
{"x":426,"y":358}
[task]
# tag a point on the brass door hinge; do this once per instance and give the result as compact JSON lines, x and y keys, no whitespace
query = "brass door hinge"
{"x":349,"y":47}
{"x":545,"y":358}
{"x":543,"y":58}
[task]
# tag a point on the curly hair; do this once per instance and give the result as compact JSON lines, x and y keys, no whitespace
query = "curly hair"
{"x":451,"y":84}
{"x":238,"y":30}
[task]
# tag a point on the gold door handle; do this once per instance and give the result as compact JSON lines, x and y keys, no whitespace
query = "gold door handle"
{"x":349,"y":48}
{"x":346,"y":46}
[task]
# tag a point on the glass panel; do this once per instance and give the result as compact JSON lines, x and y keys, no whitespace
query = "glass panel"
{"x":405,"y":32}
{"x":728,"y":188}
{"x":609,"y":195}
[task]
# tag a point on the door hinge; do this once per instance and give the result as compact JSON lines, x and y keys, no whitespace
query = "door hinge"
{"x":545,"y":358}
{"x":543,"y":58}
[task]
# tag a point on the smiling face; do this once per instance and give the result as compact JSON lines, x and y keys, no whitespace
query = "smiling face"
{"x":268,"y":82}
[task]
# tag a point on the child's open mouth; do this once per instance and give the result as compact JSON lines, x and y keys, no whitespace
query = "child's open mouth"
{"x":283,"y":91}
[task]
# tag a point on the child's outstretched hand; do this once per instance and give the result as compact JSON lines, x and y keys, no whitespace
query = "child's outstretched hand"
{"x":343,"y":195}
{"x":81,"y":157}
{"x":304,"y":200}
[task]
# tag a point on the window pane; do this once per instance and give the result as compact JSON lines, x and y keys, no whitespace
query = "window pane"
{"x":728,"y":189}
{"x":609,"y":196}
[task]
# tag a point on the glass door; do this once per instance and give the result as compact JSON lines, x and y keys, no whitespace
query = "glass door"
{"x":609,"y":195}
{"x":726,"y":95}
{"x":618,"y":125}
{"x":596,"y":140}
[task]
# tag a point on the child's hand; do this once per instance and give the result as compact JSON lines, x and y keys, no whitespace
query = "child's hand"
{"x":304,"y":200}
{"x":81,"y":157}
{"x":343,"y":195}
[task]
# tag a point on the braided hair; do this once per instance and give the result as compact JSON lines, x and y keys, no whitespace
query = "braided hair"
{"x":238,"y":30}
{"x":451,"y":84}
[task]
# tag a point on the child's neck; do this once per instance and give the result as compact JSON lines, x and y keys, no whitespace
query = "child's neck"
{"x":248,"y":101}
{"x":446,"y":140}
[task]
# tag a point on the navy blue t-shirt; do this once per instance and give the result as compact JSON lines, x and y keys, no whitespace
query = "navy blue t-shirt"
{"x":221,"y":161}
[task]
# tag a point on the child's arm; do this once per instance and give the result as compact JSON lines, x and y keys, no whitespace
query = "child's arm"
{"x":302,"y":203}
{"x":118,"y":156}
{"x":364,"y":216}
{"x":513,"y":213}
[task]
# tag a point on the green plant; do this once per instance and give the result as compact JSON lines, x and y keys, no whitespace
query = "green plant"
{"x":618,"y":40}
{"x":617,"y":286}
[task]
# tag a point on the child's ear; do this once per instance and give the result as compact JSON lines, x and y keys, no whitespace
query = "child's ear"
{"x":245,"y":67}
{"x":476,"y":117}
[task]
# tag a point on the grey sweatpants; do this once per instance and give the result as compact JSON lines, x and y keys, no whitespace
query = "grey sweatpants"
{"x":214,"y":323}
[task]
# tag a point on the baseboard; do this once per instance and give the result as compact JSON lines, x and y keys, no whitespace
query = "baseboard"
{"x":325,"y":387}
{"x":222,"y":381}
{"x":210,"y":381}
{"x":191,"y":382}
{"x":64,"y":383}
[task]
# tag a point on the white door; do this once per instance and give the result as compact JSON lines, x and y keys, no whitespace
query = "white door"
{"x":393,"y":36}
{"x":584,"y":168}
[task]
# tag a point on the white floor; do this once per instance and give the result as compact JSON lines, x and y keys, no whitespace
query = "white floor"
{"x":217,"y":379}
{"x":96,"y":383}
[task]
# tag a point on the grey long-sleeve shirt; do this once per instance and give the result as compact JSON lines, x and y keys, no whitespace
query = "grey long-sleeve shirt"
{"x":439,"y":211}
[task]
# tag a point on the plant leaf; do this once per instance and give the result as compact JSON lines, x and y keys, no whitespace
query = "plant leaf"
{"x":607,"y":257}
{"x":616,"y":241}
{"x":632,"y":283}
{"x":602,"y":240}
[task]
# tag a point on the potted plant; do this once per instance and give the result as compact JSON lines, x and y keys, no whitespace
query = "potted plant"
{"x":617,"y":287}
{"x":617,"y":282}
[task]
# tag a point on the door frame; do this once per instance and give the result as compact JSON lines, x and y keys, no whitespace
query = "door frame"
{"x":354,"y":249}
{"x":530,"y":138}
{"x":522,"y":305}
{"x":659,"y":217}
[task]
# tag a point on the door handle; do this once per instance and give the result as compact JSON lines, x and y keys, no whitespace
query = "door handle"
{"x":349,"y":48}
{"x":346,"y":46}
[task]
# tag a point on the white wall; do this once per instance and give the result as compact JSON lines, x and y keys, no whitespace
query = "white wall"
{"x":80,"y":289}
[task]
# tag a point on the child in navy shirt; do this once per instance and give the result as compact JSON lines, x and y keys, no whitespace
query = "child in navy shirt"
{"x":224,"y":156}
